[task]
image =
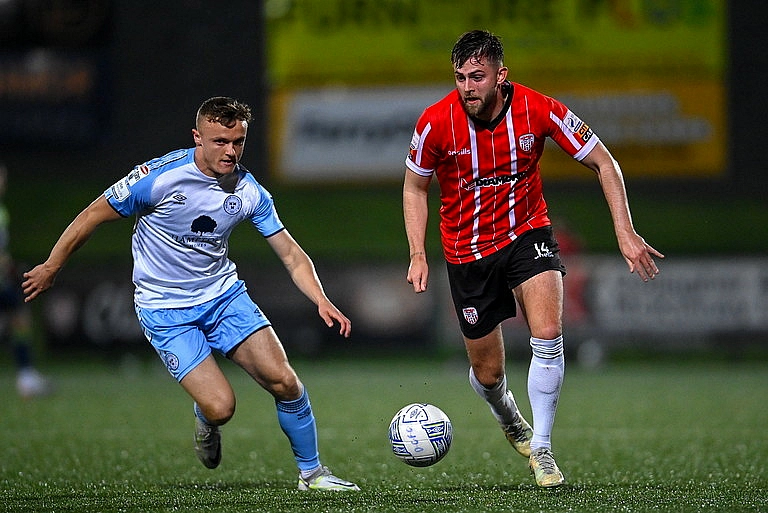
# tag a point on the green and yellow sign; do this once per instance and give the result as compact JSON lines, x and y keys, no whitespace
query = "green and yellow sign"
{"x":647,"y":75}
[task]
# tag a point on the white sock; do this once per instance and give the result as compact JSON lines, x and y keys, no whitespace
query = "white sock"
{"x":545,"y":379}
{"x":502,"y":404}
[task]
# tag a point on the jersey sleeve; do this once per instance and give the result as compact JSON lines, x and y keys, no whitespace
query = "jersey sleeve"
{"x":574,"y":136}
{"x":132,"y":193}
{"x":264,"y":216}
{"x":422,"y":157}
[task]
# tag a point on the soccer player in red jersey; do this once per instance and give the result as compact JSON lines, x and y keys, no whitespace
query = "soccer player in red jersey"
{"x":483,"y":142}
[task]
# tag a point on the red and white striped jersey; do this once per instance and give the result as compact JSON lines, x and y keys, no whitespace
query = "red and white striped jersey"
{"x":490,"y":184}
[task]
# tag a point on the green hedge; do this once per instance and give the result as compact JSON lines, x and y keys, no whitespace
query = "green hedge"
{"x":365,"y":223}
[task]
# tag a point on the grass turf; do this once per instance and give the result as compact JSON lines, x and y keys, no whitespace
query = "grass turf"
{"x":629,"y":437}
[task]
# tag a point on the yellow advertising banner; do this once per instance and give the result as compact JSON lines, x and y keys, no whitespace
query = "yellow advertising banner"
{"x":647,"y":75}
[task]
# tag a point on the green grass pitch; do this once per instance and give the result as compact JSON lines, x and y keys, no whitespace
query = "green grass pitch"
{"x":630,"y":437}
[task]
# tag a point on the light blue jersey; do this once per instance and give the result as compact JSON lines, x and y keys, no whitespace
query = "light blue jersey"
{"x":184,"y":218}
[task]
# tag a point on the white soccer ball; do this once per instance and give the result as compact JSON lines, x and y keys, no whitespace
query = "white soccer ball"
{"x":420,"y":434}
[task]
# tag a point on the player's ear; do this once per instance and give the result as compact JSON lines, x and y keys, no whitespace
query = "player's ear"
{"x":501,"y":75}
{"x":196,"y":137}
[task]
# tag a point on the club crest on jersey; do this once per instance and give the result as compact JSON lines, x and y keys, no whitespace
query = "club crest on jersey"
{"x":525,"y":142}
{"x":171,"y":361}
{"x":470,"y":314}
{"x":232,"y":204}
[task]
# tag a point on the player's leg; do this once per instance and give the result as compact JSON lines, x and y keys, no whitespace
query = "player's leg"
{"x":211,"y":391}
{"x":482,"y":300}
{"x":262,"y":356}
{"x":239,"y":329}
{"x":214,"y":405}
{"x":235,"y":326}
{"x":182,"y":346}
{"x":16,"y":323}
{"x":541,"y":301}
{"x":488,"y":378}
{"x":540,"y":298}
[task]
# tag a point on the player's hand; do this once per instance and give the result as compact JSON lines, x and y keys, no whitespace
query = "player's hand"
{"x":330,"y":314}
{"x":36,"y":281}
{"x":639,"y":257}
{"x":418,"y":272}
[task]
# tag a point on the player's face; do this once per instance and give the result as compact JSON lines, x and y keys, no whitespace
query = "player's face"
{"x":479,"y":85}
{"x":219,"y":148}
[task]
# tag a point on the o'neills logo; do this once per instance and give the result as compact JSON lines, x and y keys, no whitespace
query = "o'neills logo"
{"x":463,"y":151}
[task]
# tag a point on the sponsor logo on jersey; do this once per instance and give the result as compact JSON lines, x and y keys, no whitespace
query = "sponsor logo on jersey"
{"x":525,"y":142}
{"x":493,"y":181}
{"x":414,"y":146}
{"x":137,"y":174}
{"x":415,"y":140}
{"x":198,"y":241}
{"x":463,"y":151}
{"x":578,"y":127}
{"x":122,"y":189}
{"x":203,"y":224}
{"x":179,"y":198}
{"x":470,"y":314}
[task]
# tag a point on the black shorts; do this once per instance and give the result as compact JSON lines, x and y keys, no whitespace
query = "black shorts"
{"x":482,"y":290}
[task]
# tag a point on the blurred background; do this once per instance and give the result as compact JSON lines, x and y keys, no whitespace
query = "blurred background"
{"x":90,"y":88}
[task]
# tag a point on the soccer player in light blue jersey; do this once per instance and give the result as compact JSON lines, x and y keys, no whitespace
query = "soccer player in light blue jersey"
{"x":188,"y":297}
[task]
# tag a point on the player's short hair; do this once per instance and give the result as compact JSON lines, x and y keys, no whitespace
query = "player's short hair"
{"x":224,"y":110}
{"x":480,"y":45}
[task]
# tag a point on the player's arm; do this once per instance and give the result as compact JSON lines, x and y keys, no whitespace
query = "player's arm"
{"x":415,"y":214}
{"x":41,"y":278}
{"x":637,"y":253}
{"x":302,"y":272}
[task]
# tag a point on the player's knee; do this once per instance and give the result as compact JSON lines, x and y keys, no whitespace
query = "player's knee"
{"x":547,"y":332}
{"x":223,"y":414}
{"x":487,"y":375}
{"x":219,"y":411}
{"x":286,"y":389}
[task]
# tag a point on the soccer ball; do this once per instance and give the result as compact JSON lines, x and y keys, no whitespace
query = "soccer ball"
{"x":420,"y":434}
